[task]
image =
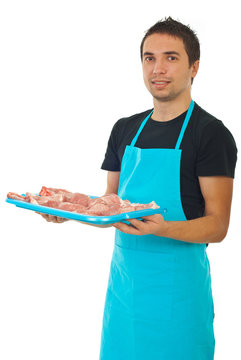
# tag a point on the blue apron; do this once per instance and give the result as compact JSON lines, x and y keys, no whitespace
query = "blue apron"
{"x":159,"y":303}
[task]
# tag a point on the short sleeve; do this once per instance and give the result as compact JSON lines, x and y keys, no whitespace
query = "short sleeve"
{"x":111,"y":161}
{"x":217,"y":151}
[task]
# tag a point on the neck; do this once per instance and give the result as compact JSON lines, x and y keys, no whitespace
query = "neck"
{"x":168,"y":110}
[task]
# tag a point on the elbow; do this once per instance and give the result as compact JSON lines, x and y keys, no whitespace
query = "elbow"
{"x":221,"y":238}
{"x":222,"y":233}
{"x":220,"y":229}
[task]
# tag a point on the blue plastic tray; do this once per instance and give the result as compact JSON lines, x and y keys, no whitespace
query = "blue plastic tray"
{"x":97,"y":220}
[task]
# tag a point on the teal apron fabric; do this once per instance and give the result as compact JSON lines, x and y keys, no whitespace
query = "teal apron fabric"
{"x":159,"y":303}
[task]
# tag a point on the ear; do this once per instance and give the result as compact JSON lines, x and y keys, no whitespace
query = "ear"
{"x":195,"y":68}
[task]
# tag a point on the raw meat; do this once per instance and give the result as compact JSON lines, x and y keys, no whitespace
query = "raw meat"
{"x":106,"y":205}
{"x":15,"y":196}
{"x":51,"y":191}
{"x":75,"y":198}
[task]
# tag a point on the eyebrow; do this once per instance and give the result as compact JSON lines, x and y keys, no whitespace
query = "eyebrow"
{"x":166,"y":53}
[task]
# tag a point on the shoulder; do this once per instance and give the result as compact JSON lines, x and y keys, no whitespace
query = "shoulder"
{"x":204,"y":119}
{"x":210,"y":127}
{"x":133,"y":119}
{"x":128,"y":124}
{"x":216,"y":148}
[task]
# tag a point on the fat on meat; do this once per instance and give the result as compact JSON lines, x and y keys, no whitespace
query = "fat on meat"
{"x":51,"y":191}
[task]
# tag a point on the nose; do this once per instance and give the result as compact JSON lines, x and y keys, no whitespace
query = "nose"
{"x":160,"y":67}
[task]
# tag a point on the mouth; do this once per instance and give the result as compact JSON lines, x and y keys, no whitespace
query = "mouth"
{"x":160,"y":84}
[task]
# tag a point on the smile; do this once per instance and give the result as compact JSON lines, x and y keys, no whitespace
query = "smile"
{"x":160,"y":84}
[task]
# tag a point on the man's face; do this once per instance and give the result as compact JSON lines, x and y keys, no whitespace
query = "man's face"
{"x":166,"y":70}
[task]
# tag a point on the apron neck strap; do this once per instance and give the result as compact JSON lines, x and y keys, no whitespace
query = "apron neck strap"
{"x":187,"y":118}
{"x":185,"y":123}
{"x":140,"y":129}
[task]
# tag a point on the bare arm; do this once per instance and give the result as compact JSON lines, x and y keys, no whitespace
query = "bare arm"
{"x":212,"y":227}
{"x":112,"y":182}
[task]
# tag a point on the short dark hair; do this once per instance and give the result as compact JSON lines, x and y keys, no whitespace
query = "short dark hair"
{"x":176,"y":29}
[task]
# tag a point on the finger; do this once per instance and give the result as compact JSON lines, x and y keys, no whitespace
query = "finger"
{"x":137,"y":223}
{"x":129,"y":229}
{"x":153,"y":217}
{"x":60,"y":219}
{"x":50,"y":218}
{"x":45,"y":216}
{"x":40,"y":214}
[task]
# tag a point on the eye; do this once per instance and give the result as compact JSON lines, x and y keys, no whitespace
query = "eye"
{"x":149,"y":58}
{"x":172,"y":58}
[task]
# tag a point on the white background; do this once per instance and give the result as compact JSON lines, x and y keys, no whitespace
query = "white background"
{"x":69,"y":71}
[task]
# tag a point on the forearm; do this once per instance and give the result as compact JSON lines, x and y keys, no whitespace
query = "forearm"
{"x":207,"y":229}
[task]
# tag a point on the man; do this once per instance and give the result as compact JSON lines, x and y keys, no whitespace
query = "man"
{"x":159,"y":303}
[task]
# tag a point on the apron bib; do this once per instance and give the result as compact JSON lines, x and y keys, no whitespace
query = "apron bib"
{"x":159,"y":303}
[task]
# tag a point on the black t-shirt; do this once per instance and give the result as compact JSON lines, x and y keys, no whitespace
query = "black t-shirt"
{"x":208,"y":149}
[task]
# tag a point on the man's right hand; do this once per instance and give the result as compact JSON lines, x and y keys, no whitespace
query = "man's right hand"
{"x":51,"y":218}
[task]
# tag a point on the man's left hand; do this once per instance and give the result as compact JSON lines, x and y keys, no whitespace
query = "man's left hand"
{"x":152,"y":224}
